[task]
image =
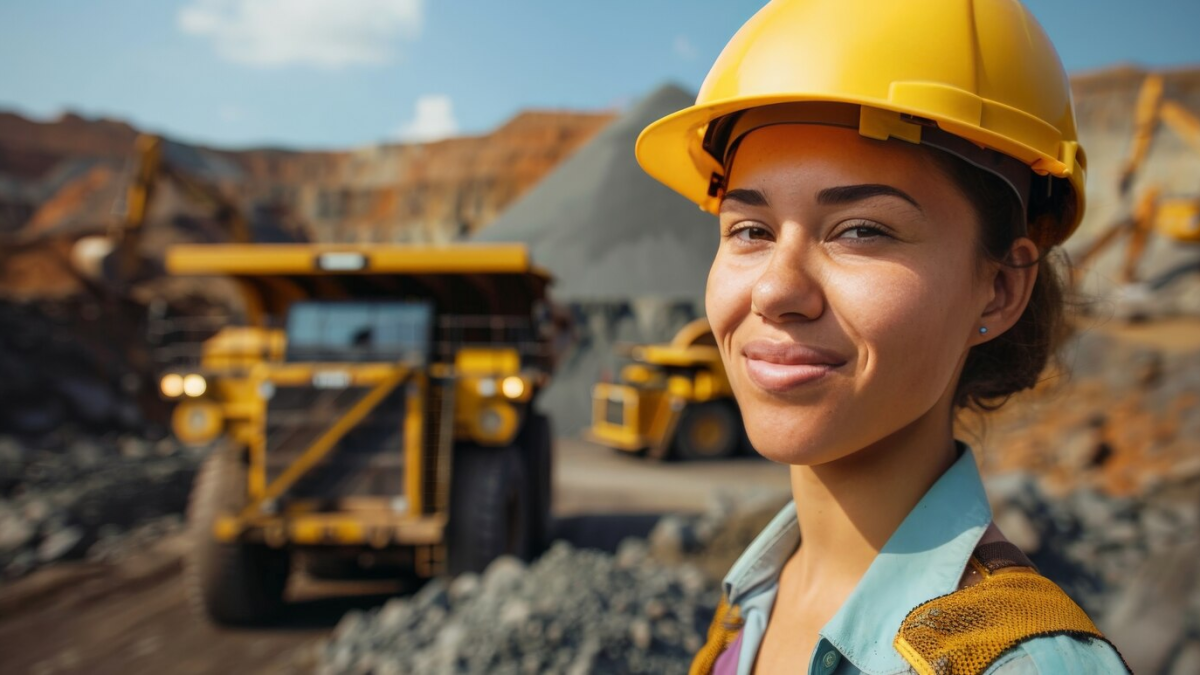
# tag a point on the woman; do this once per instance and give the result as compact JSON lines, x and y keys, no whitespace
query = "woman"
{"x":889,"y":178}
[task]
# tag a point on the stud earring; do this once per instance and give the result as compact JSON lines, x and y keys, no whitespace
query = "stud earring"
{"x":982,"y":329}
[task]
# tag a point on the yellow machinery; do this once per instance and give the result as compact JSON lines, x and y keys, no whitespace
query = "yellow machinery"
{"x":378,"y":403}
{"x":152,"y":166}
{"x":673,"y":400}
{"x":1177,"y":218}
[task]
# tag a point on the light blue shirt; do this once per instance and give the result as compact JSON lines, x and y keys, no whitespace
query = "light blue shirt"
{"x":922,"y":560}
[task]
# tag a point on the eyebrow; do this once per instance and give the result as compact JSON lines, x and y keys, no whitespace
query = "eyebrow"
{"x":843,"y":194}
{"x":746,"y":196}
{"x":855,"y":193}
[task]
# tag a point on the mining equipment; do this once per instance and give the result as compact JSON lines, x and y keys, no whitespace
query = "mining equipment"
{"x":1174,"y":217}
{"x":377,"y":402}
{"x":673,"y":401}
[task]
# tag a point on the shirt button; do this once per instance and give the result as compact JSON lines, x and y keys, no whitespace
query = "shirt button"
{"x":829,"y":660}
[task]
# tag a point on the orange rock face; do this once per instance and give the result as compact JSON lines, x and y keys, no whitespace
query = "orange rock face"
{"x":65,"y":179}
{"x":422,"y":192}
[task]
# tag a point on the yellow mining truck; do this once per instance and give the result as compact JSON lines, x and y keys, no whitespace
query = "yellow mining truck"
{"x":377,"y":403}
{"x":673,"y":400}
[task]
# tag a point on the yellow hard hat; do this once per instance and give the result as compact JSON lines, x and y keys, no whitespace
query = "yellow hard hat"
{"x":978,"y":78}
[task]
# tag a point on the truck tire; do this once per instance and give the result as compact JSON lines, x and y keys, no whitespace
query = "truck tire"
{"x":234,"y":584}
{"x":490,"y":508}
{"x":537,"y":442}
{"x":708,"y":430}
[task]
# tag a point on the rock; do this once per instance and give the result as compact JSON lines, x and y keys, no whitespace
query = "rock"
{"x":59,"y":543}
{"x":11,"y":452}
{"x":1019,"y":529}
{"x":86,"y":454}
{"x":667,"y":539}
{"x":631,"y":553}
{"x":639,"y":632}
{"x":15,"y":531}
{"x":464,"y":586}
{"x":1084,"y":449}
{"x":36,"y":510}
{"x":133,"y":447}
{"x":1187,"y":662}
{"x":502,"y":574}
{"x":1148,"y":618}
{"x":516,"y":612}
{"x":350,"y":624}
{"x":1186,"y":470}
{"x":655,"y":609}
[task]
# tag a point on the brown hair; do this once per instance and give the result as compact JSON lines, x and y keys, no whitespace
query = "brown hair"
{"x":1014,"y":360}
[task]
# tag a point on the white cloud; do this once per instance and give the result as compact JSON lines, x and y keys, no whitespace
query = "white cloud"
{"x":433,"y":120}
{"x":322,"y":33}
{"x":683,"y":48}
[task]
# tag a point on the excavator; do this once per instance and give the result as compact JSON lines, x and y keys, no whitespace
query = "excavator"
{"x":1174,"y":217}
{"x":151,"y":167}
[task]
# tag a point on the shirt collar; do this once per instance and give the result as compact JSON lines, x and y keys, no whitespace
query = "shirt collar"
{"x":923,"y":559}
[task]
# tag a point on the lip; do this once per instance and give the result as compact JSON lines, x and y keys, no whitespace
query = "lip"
{"x":782,"y":366}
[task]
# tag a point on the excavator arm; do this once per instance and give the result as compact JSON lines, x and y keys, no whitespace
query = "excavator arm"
{"x":152,"y":165}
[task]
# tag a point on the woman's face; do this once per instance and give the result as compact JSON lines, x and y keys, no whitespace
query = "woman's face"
{"x":845,"y":292}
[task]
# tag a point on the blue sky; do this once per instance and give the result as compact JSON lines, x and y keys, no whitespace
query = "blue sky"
{"x":339,"y":73}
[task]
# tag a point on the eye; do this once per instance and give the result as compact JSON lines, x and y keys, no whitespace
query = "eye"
{"x":862,"y":231}
{"x":749,"y":233}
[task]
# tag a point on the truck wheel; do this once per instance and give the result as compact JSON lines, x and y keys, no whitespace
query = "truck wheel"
{"x":708,"y":430}
{"x":490,"y":508}
{"x":537,"y":441}
{"x":239,"y":583}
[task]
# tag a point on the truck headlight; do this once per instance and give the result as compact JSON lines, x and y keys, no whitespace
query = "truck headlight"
{"x":171,"y":385}
{"x":513,"y":387}
{"x":485,"y":387}
{"x":194,"y":385}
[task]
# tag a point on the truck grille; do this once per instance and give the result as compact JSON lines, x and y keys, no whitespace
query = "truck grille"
{"x":367,"y":461}
{"x":615,"y":412}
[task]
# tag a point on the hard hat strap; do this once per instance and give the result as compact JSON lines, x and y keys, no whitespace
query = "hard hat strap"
{"x":725,"y":133}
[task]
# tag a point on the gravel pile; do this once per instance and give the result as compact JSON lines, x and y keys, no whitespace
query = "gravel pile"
{"x":572,"y":611}
{"x":86,"y":496}
{"x":605,"y":229}
{"x":1129,"y":561}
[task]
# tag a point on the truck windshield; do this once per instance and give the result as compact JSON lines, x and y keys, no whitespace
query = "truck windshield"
{"x":359,"y":331}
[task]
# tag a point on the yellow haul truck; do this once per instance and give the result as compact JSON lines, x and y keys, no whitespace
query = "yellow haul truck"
{"x":673,"y":400}
{"x":377,"y":403}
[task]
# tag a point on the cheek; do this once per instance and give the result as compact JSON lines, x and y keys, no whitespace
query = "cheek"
{"x":726,"y":299}
{"x":908,"y":322}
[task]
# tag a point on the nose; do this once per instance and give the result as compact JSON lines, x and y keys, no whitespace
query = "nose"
{"x":789,"y":289}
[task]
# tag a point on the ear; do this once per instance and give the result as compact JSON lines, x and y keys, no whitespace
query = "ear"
{"x":1011,"y":286}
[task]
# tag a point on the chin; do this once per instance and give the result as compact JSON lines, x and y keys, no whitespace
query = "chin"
{"x":793,"y":441}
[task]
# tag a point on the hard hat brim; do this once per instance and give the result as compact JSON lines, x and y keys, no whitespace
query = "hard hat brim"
{"x":671,"y":149}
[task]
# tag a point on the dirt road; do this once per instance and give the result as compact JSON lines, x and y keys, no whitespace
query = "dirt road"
{"x":134,"y":618}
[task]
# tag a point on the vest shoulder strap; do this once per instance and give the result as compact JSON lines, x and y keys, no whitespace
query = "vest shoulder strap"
{"x":965,"y":632}
{"x":724,"y":629}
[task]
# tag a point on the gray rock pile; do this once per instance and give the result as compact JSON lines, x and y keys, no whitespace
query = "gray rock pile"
{"x":87,"y":496}
{"x":1130,"y":561}
{"x":572,"y":611}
